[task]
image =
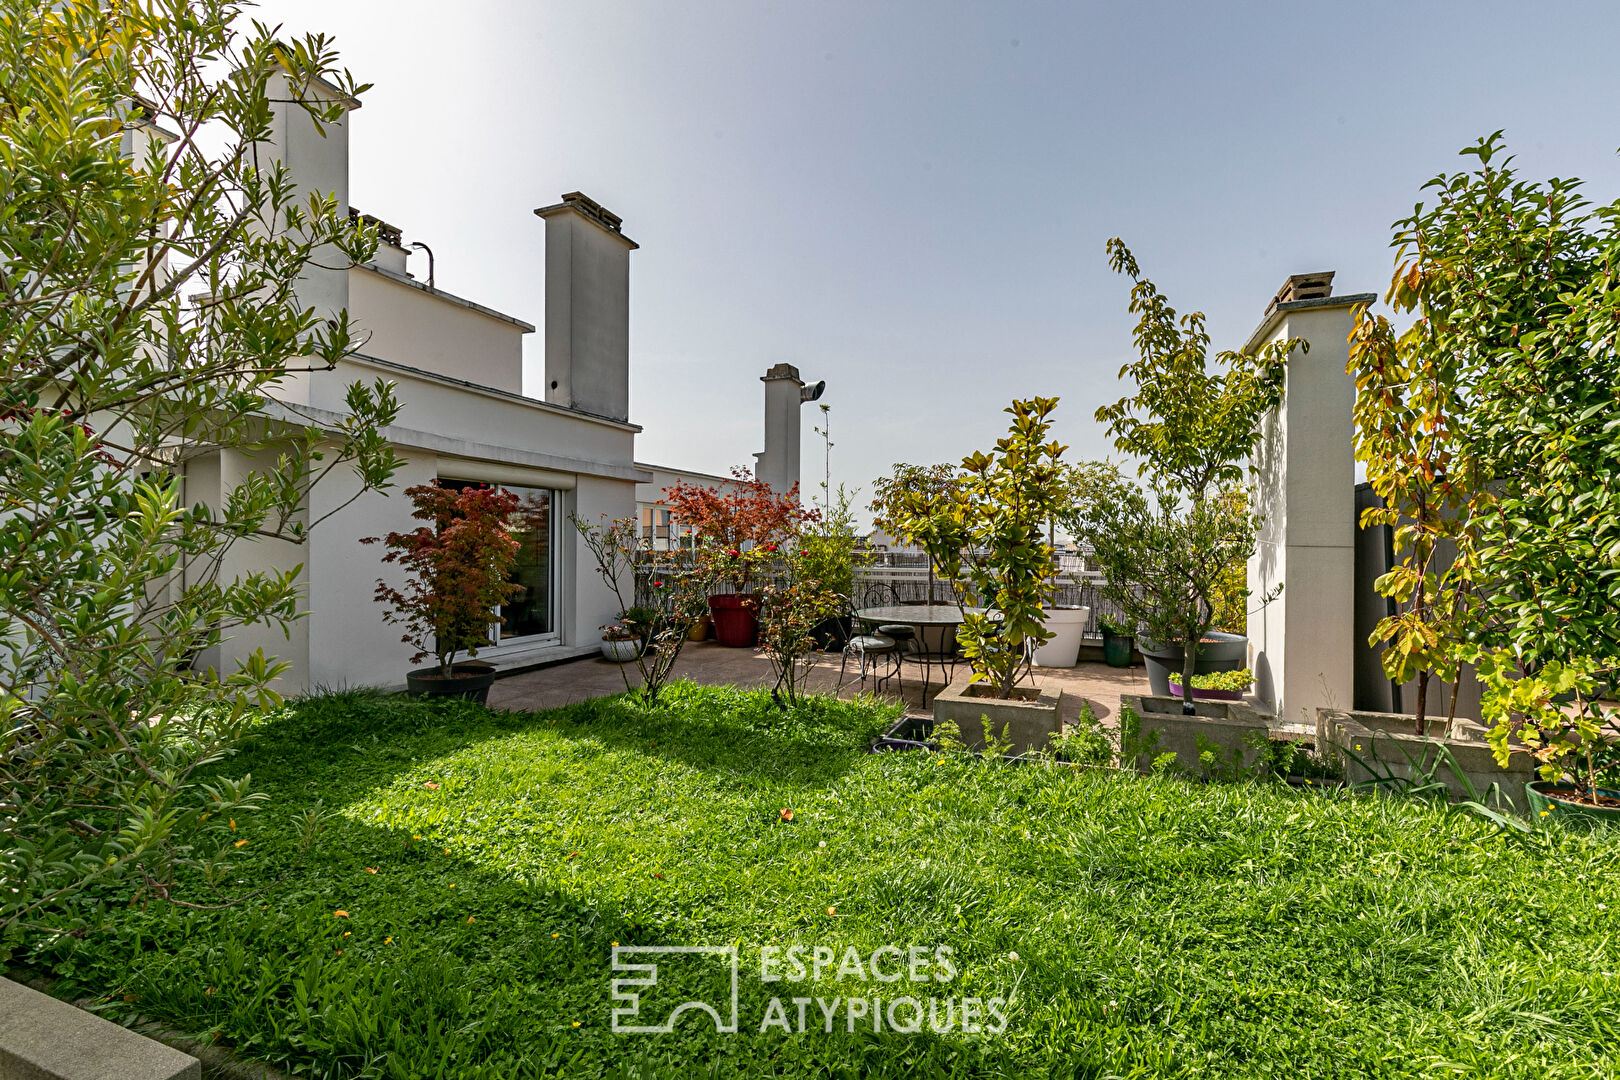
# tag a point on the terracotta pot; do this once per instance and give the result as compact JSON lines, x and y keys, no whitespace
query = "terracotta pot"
{"x":470,"y":680}
{"x":736,"y":619}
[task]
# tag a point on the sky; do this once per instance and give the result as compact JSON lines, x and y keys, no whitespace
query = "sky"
{"x":910,"y":200}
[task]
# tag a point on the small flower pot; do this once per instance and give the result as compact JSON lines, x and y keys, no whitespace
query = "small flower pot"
{"x":621,"y":652}
{"x":1558,"y":800}
{"x":470,"y":680}
{"x":736,"y":619}
{"x":700,"y":630}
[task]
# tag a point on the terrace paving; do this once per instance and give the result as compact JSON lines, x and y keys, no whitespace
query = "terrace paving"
{"x":706,"y":662}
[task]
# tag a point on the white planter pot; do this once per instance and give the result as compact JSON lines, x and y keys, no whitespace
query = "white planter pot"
{"x":621,"y":652}
{"x":1067,"y":625}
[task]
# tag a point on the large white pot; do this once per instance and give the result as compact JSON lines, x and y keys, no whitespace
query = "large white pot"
{"x":1068,"y":625}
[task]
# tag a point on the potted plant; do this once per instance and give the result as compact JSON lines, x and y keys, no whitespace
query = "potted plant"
{"x":987,"y":533}
{"x":1551,"y":712}
{"x":1215,"y":685}
{"x":738,"y":531}
{"x":1168,"y":561}
{"x":621,"y":642}
{"x":457,"y":572}
{"x":1118,"y":642}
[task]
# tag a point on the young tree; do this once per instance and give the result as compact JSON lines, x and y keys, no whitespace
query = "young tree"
{"x":458,"y":566}
{"x":679,"y":589}
{"x":1165,"y":565}
{"x":1489,"y":425}
{"x":149,"y":317}
{"x":1193,"y":427}
{"x":984,"y":525}
{"x":903,"y":504}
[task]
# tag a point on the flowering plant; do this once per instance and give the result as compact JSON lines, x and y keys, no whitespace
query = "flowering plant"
{"x":789,"y":613}
{"x":457,"y":571}
{"x":679,"y":597}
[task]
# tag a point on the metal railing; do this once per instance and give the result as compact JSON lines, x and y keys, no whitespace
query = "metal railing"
{"x":907,"y":575}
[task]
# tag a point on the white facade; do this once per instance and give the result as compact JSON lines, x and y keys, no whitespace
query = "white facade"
{"x":456,"y":367}
{"x":1305,"y":494}
{"x":660,"y":528}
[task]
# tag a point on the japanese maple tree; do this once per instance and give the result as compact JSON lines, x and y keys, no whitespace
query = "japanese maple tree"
{"x":458,"y":566}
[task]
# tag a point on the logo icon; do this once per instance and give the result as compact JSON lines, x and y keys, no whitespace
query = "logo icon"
{"x":710,"y":976}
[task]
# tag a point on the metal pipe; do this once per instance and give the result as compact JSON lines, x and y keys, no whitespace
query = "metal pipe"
{"x":424,"y":247}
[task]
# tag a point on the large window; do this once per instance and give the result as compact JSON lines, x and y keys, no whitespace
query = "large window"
{"x":533,"y":612}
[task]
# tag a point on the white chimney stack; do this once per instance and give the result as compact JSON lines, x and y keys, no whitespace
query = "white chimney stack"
{"x":778,"y":463}
{"x":587,"y":307}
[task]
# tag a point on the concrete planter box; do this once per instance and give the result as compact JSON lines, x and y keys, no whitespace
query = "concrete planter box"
{"x":1031,"y":720}
{"x":42,"y":1038}
{"x":1234,"y":731}
{"x":1373,"y":752}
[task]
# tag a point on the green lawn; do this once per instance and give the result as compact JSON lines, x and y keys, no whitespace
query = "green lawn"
{"x":1136,"y":927}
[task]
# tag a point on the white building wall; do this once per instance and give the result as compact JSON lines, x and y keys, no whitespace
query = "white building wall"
{"x":349,"y":644}
{"x":1302,"y":644}
{"x":403,"y":322}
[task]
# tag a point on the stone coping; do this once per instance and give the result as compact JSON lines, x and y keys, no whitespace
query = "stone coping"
{"x":43,"y":1038}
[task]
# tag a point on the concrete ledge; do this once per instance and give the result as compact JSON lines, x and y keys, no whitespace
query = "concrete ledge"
{"x":1374,"y":753}
{"x":42,"y":1038}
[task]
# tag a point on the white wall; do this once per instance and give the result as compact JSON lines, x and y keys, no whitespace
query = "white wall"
{"x":349,"y":644}
{"x":404,"y":323}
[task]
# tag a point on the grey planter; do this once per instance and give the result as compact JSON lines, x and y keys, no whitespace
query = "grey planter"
{"x":1030,"y":722}
{"x":1235,"y":731}
{"x":1219,"y":651}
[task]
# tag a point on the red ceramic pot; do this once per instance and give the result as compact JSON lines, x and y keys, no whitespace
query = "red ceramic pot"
{"x":736,"y":619}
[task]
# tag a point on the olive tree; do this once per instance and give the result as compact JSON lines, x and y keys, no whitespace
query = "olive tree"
{"x":151,"y":248}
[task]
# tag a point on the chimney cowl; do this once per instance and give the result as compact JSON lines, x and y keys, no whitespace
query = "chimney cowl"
{"x":1312,"y":286}
{"x":782,"y":371}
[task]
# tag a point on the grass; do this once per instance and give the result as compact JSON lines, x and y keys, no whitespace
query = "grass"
{"x":1141,"y":927}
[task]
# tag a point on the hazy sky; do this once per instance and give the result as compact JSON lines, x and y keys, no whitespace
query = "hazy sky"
{"x":910,"y":200}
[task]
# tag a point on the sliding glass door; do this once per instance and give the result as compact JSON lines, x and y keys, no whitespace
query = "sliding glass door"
{"x":531,"y":616}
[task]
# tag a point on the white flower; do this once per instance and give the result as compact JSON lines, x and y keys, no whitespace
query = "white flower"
{"x":1012,"y":956}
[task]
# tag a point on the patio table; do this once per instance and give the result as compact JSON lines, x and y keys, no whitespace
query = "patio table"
{"x":924,"y":616}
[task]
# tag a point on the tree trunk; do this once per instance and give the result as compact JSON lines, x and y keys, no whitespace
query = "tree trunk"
{"x":1422,"y":700}
{"x":1189,"y":664}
